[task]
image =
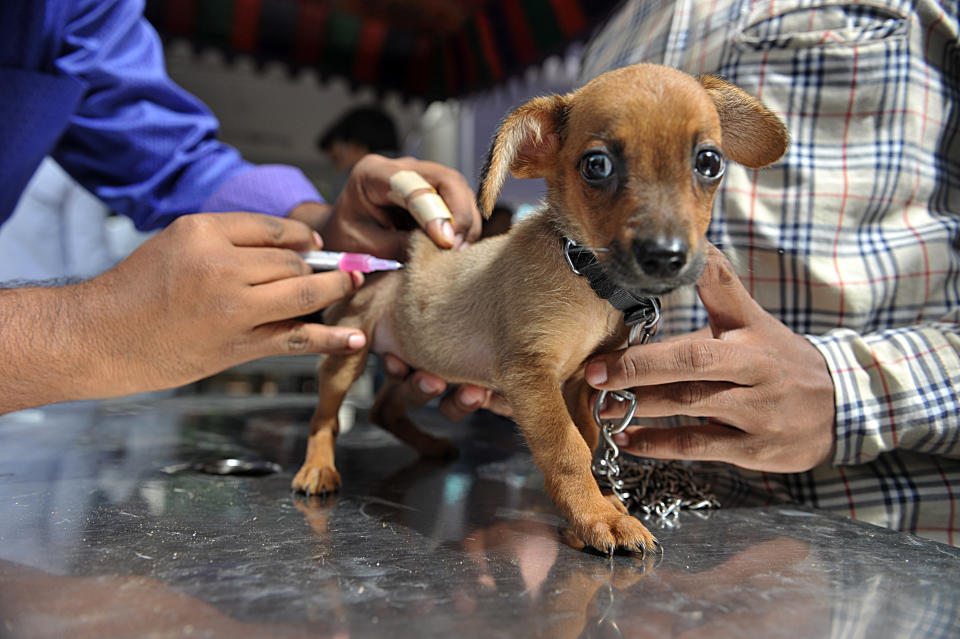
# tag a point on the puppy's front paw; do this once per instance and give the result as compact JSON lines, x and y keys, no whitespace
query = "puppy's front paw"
{"x":314,"y":480}
{"x":608,"y":529}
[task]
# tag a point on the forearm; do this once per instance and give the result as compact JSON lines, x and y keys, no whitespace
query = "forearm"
{"x":143,"y":145}
{"x":50,"y":349}
{"x":895,"y":389}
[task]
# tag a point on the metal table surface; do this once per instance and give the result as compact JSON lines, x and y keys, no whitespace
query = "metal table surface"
{"x":96,"y":540}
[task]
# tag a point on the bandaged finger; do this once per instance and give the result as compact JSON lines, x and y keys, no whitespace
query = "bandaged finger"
{"x":409,"y":190}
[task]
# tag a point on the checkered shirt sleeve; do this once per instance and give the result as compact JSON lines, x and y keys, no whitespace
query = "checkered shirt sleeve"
{"x":853,"y":239}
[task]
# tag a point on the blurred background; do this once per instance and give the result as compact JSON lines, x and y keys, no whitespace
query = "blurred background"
{"x":431,"y":79}
{"x":280,"y":73}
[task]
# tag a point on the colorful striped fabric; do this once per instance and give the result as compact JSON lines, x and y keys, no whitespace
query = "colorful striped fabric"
{"x":853,"y":240}
{"x":499,"y":39}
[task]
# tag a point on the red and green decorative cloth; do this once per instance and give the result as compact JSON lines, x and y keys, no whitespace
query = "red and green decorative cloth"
{"x":421,"y":48}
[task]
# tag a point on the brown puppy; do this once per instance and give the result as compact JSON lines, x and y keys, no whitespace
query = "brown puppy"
{"x":631,"y":161}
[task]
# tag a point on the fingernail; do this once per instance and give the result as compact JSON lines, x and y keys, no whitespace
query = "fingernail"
{"x":356,"y":340}
{"x":428,"y":387}
{"x":447,"y":231}
{"x":357,"y":278}
{"x":463,"y":246}
{"x":317,"y":240}
{"x":393,"y":367}
{"x":621,"y":439}
{"x":470,"y":398}
{"x":596,"y":373}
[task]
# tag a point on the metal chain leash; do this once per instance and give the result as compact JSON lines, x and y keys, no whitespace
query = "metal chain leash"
{"x":657,"y":487}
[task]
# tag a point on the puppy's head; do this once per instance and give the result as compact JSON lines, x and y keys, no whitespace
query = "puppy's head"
{"x":632,"y":162}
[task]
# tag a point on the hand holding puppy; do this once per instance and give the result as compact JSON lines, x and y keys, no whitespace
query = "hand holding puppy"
{"x":442,"y":203}
{"x":765,"y":390}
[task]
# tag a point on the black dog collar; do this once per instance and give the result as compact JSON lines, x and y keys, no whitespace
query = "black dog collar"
{"x":636,"y":310}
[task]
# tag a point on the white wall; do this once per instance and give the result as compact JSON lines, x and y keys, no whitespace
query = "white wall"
{"x":273,"y":117}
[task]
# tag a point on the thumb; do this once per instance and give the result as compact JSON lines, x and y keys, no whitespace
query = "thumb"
{"x":727,"y":301}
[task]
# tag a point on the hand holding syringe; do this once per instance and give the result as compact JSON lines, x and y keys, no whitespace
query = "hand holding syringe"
{"x":409,"y":190}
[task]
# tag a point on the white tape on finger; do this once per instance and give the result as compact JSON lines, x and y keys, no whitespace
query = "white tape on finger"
{"x":409,"y":190}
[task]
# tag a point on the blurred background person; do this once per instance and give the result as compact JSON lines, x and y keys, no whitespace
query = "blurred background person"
{"x":361,"y":130}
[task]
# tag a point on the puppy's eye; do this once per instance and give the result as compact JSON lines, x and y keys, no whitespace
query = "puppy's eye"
{"x":596,"y":166}
{"x":709,"y":164}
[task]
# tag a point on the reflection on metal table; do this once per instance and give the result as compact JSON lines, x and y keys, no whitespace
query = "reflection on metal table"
{"x":96,"y":540}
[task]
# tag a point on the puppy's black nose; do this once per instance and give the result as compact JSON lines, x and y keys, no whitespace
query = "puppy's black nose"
{"x":661,"y":258}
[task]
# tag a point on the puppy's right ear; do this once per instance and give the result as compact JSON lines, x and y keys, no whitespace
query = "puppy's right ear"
{"x":752,"y":134}
{"x":525,"y":145}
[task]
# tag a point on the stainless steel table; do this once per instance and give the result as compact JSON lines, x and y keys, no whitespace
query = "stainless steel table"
{"x":96,"y":540}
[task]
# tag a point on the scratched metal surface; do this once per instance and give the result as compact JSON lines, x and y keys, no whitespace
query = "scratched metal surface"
{"x":97,"y":541}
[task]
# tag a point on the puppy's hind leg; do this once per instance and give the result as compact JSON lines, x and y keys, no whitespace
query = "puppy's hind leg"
{"x":389,"y":411}
{"x":318,"y":475}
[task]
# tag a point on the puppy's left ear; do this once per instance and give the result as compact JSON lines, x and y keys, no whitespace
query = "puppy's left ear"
{"x":525,"y":145}
{"x":752,"y":134}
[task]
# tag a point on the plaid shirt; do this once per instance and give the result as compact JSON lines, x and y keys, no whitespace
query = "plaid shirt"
{"x":853,"y":240}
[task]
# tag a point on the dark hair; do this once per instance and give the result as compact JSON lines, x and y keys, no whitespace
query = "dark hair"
{"x":367,"y":126}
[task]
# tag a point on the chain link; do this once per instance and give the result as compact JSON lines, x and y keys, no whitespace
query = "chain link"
{"x":657,"y":487}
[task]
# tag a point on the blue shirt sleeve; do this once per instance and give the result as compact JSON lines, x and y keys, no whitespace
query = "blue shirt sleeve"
{"x":137,"y":140}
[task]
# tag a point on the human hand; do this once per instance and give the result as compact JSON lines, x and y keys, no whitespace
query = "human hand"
{"x":419,"y":387}
{"x":365,"y":220}
{"x":209,"y":292}
{"x":764,"y":390}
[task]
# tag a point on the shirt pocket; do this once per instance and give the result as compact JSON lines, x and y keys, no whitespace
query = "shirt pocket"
{"x":795,"y":24}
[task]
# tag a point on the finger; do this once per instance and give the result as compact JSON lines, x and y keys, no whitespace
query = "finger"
{"x":420,"y":387}
{"x":728,"y":303}
{"x":441,"y":232}
{"x":292,"y":337}
{"x":701,"y":334}
{"x":462,"y":402}
{"x":459,"y":198}
{"x":411,"y":191}
{"x":708,"y":442}
{"x":673,"y":361}
{"x":720,"y":400}
{"x":297,"y":296}
{"x":263,"y":265}
{"x":467,"y":399}
{"x":394,"y":366}
{"x":255,"y":229}
{"x":452,"y":187}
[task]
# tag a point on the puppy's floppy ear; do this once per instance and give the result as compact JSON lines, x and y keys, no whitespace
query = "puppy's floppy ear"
{"x":752,"y":135}
{"x":525,"y":145}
